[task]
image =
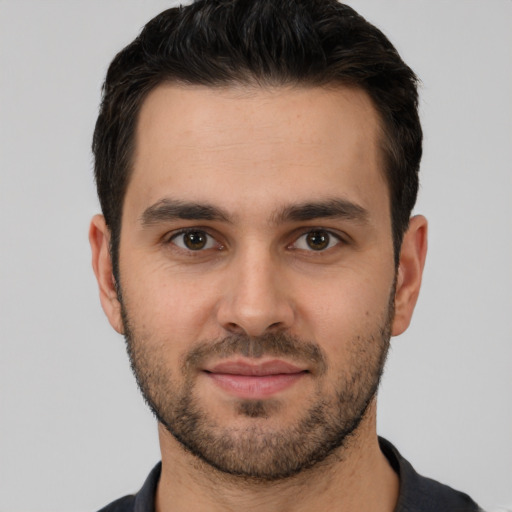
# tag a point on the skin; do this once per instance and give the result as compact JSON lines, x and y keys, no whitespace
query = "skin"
{"x":254,"y":153}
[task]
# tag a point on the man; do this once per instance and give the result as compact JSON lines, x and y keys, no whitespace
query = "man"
{"x":257,"y":165}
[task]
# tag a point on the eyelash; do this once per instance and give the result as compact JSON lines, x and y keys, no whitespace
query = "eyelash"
{"x":331,"y":237}
{"x":333,"y":240}
{"x":190,"y":231}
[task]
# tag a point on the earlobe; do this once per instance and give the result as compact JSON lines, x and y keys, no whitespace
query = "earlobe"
{"x":410,"y":271}
{"x":99,"y":238}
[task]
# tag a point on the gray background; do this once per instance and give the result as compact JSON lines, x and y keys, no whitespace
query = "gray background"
{"x":74,"y":432}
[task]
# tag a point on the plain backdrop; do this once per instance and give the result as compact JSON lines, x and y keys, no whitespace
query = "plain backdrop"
{"x":74,"y":431}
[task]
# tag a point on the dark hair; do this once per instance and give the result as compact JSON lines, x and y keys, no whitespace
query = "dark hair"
{"x":264,"y":43}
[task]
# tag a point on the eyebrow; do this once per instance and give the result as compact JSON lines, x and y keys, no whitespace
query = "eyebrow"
{"x":331,"y":208}
{"x":167,"y":210}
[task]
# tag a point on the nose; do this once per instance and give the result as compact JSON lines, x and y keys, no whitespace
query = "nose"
{"x":255,"y":298}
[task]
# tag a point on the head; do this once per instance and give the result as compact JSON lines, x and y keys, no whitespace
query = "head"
{"x":257,"y":165}
{"x":217,"y":43}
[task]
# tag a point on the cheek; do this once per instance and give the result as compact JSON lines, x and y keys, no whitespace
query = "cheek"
{"x":345,"y":311}
{"x":165,"y":305}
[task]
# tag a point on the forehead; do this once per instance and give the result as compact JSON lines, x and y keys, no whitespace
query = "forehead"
{"x":241,"y":145}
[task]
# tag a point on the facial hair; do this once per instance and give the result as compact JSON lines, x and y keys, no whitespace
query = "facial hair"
{"x":258,"y":451}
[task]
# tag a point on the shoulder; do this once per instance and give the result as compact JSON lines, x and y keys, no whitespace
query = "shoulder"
{"x":143,"y":501}
{"x":437,"y":497}
{"x":421,"y":494}
{"x":125,"y":504}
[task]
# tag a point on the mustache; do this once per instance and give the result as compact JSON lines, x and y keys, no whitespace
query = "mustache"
{"x":268,"y":344}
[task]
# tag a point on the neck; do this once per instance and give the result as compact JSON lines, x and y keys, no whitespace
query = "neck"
{"x":357,"y":476}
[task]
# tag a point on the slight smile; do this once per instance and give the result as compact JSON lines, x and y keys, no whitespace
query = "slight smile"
{"x":255,"y":381}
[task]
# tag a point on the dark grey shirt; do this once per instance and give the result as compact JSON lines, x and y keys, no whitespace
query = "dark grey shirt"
{"x":417,"y":493}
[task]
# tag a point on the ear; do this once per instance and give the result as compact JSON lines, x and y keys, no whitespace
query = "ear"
{"x":99,"y":238}
{"x":410,"y":271}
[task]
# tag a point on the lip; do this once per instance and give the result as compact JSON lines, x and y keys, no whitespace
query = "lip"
{"x":255,"y":381}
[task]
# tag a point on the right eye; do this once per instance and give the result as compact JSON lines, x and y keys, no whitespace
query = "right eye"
{"x":194,"y":240}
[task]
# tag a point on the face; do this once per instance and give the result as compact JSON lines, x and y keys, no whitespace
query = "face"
{"x":256,"y":271}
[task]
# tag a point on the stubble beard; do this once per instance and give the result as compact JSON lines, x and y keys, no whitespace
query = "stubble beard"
{"x":256,"y":451}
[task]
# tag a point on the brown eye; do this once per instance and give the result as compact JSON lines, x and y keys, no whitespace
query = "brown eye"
{"x":193,"y":240}
{"x":318,"y":240}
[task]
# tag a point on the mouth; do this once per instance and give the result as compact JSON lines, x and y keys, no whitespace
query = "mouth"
{"x":255,"y":381}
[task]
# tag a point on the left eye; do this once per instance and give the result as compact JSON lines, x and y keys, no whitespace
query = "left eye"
{"x":194,"y":240}
{"x":317,"y":240}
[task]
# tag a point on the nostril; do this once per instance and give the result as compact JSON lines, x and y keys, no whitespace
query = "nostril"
{"x":233,"y":328}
